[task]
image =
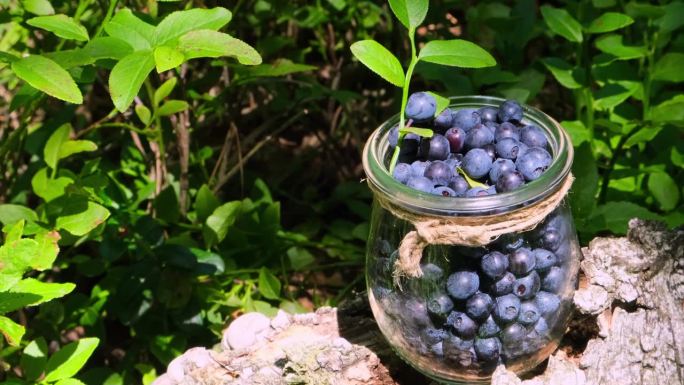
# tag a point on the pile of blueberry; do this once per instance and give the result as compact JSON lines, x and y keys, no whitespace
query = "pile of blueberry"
{"x":490,"y":145}
{"x":481,"y":306}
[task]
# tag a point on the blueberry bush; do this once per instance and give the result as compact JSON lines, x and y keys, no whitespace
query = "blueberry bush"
{"x":166,"y":166}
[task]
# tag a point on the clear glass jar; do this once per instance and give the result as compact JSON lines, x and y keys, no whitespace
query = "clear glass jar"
{"x":422,"y":320}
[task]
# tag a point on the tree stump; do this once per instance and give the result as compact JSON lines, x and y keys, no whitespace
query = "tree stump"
{"x":628,"y":329}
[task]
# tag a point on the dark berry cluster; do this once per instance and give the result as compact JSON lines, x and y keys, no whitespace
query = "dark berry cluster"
{"x":492,"y":146}
{"x":486,"y":305}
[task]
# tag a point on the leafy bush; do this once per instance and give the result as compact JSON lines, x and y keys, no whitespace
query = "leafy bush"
{"x":187,"y":182}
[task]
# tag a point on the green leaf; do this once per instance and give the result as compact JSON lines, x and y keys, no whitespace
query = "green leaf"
{"x":280,"y":67}
{"x":379,"y":60}
{"x":562,"y":23}
{"x":441,"y":103}
{"x":677,"y":157}
{"x":6,"y":57}
{"x":612,"y":95}
{"x":568,"y":76}
{"x":11,"y":213}
{"x":422,"y":132}
{"x":644,"y":135}
{"x":646,"y":10}
{"x":47,"y":188}
{"x":75,"y":147}
{"x":269,"y":286}
{"x":179,"y":23}
{"x":669,"y":68}
{"x":456,"y":53}
{"x":15,"y":258}
{"x":664,"y":189}
{"x":167,"y":58}
{"x":166,"y":205}
{"x":609,"y":21}
{"x":577,"y":131}
{"x":222,"y":219}
{"x":411,"y":13}
{"x":70,"y":58}
{"x":79,"y":216}
{"x":673,"y":18}
{"x":207,"y":43}
{"x":14,"y":232}
{"x":583,"y":195}
{"x":71,"y":381}
{"x":46,"y":250}
{"x":61,"y":25}
{"x":143,"y":113}
{"x":671,"y":110}
{"x":612,"y":45}
{"x":127,"y":27}
{"x":108,"y":47}
{"x":614,"y":216}
{"x":299,"y":257}
{"x":31,"y":292}
{"x":34,"y":358}
{"x":47,"y":76}
{"x":171,"y":107}
{"x":471,"y":182}
{"x":11,"y":330}
{"x":54,"y":145}
{"x":70,"y":359}
{"x":38,"y":7}
{"x":127,"y":77}
{"x":164,"y":90}
{"x":205,"y":202}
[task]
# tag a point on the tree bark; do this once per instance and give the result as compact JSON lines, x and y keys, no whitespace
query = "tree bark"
{"x":628,"y":329}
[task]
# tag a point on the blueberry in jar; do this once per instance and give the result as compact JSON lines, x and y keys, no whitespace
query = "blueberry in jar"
{"x":510,"y":111}
{"x":439,"y":172}
{"x":526,"y":287}
{"x":506,"y":308}
{"x":435,"y":148}
{"x":463,"y":284}
{"x":421,"y":106}
{"x":477,"y":163}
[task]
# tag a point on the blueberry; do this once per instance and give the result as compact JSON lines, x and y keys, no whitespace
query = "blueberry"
{"x":488,"y":114}
{"x":526,"y":287}
{"x":491,"y":150}
{"x":433,"y":336}
{"x":541,"y":328}
{"x":551,"y":239}
{"x":420,"y":183}
{"x":435,"y":148}
{"x":533,"y":162}
{"x":508,"y":148}
{"x":459,"y":351}
{"x":521,"y":261}
{"x":479,"y":306}
{"x":440,"y":304}
{"x":533,"y":136}
{"x":431,"y":272}
{"x":504,"y":285}
{"x":553,"y":281}
{"x":544,"y":259}
{"x":478,"y":137}
{"x":443,"y":191}
{"x":459,"y":185}
{"x":494,"y":264}
{"x":506,"y":308}
{"x":509,"y":181}
{"x":477,"y":163}
{"x":453,"y":342}
{"x":491,"y":190}
{"x":456,"y":137}
{"x":417,"y":313}
{"x":393,"y":137}
{"x":487,"y":349}
{"x":510,"y":111}
{"x":410,"y":144}
{"x":506,"y":130}
{"x":513,"y":334}
{"x":462,"y":325}
{"x":477,"y":192}
{"x":402,"y":172}
{"x":499,"y":167}
{"x":453,"y":163}
{"x":445,"y":119}
{"x":529,"y":313}
{"x":488,"y":328}
{"x":439,"y":172}
{"x":547,"y":303}
{"x":421,"y":106}
{"x":466,"y":118}
{"x":463,"y":284}
{"x":418,"y":167}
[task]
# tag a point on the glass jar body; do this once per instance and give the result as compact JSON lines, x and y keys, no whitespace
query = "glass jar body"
{"x":521,"y":284}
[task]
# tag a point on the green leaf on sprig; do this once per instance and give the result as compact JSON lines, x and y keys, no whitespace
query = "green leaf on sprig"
{"x":441,"y":103}
{"x":379,"y":60}
{"x":410,"y":13}
{"x":562,"y":23}
{"x":664,"y":189}
{"x":127,"y":77}
{"x":47,"y":76}
{"x":456,"y":53}
{"x":70,"y":359}
{"x":669,"y":68}
{"x":568,"y":76}
{"x":609,"y":21}
{"x":422,"y":132}
{"x":208,"y":43}
{"x":471,"y":182}
{"x":61,"y":25}
{"x":612,"y":45}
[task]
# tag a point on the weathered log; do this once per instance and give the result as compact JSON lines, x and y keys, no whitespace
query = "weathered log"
{"x":628,"y":329}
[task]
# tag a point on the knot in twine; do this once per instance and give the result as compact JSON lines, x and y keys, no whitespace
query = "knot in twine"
{"x":473,"y":231}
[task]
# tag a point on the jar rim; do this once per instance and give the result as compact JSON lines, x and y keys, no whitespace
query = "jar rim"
{"x":376,"y":155}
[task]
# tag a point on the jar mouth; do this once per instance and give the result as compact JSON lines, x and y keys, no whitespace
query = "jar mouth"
{"x":376,"y":155}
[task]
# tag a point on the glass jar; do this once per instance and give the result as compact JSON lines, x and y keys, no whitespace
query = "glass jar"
{"x":454,"y":339}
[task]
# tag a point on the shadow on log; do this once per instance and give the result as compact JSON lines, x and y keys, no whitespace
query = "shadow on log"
{"x":628,"y":329}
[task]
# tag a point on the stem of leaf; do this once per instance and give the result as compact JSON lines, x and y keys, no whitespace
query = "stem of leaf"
{"x":404,"y":98}
{"x":108,"y":16}
{"x":617,"y":152}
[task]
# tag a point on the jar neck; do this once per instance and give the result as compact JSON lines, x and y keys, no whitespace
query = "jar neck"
{"x":376,"y":155}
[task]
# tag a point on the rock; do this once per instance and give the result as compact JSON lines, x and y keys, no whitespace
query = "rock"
{"x":630,"y":315}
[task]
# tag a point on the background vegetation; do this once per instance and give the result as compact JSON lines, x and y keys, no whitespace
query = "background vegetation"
{"x":161,"y":177}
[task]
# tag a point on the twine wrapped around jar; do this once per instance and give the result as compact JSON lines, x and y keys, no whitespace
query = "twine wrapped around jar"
{"x":473,"y":231}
